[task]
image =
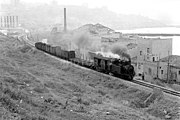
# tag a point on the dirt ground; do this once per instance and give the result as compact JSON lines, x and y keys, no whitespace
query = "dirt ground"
{"x":34,"y":86}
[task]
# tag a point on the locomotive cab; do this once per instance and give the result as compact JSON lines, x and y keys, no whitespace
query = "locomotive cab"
{"x":101,"y":64}
{"x":122,"y":68}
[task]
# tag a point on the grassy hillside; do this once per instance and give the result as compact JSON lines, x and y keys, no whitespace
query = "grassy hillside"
{"x":36,"y":86}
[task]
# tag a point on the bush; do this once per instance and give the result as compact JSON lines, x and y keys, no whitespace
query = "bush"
{"x":40,"y":89}
{"x":25,"y":49}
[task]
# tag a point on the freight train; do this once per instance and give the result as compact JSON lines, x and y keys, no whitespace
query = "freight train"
{"x":120,"y":68}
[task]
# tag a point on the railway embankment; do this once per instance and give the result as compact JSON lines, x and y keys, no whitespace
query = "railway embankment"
{"x":36,"y":86}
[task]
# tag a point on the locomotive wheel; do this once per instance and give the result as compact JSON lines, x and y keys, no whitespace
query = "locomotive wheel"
{"x":110,"y":74}
{"x":130,"y":77}
{"x":97,"y":69}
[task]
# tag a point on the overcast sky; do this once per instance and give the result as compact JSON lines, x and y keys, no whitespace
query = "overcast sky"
{"x":166,"y":10}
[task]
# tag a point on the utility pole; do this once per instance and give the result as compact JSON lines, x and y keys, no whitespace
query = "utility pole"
{"x":158,"y":66}
{"x":168,"y":68}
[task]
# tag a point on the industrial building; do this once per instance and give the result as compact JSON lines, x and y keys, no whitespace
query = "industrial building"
{"x":8,"y":19}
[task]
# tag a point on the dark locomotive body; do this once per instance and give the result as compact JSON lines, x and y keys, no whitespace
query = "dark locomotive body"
{"x":117,"y":67}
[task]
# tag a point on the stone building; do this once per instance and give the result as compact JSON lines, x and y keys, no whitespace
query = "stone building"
{"x":151,"y":50}
{"x":170,"y":65}
{"x":166,"y":69}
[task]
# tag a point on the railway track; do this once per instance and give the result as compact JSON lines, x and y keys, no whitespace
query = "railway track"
{"x":166,"y":90}
{"x":140,"y":82}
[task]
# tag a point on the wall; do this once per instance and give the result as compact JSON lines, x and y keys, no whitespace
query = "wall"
{"x":152,"y":50}
{"x":162,"y":71}
{"x":141,"y":57}
{"x":150,"y":70}
{"x":133,"y":52}
{"x":142,"y":46}
{"x":160,"y":47}
{"x":178,"y":75}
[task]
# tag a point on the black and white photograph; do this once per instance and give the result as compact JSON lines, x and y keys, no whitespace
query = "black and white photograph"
{"x":89,"y":60}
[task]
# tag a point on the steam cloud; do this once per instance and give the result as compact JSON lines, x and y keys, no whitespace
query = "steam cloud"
{"x":121,"y":51}
{"x":82,"y":40}
{"x":105,"y":48}
{"x":86,"y":42}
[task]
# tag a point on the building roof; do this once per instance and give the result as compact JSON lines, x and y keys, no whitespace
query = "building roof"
{"x":170,"y":58}
{"x":156,"y":38}
{"x":174,"y":60}
{"x":131,"y":45}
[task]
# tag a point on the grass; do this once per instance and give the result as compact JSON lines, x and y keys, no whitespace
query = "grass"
{"x":36,"y":86}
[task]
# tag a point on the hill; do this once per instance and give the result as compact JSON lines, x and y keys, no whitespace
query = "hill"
{"x":95,"y":29}
{"x":46,"y":15}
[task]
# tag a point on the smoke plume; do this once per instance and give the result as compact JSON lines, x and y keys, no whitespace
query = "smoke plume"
{"x":105,"y":48}
{"x":121,"y":51}
{"x":82,"y":40}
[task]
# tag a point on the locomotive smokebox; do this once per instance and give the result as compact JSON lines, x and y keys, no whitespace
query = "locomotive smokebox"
{"x":65,"y":23}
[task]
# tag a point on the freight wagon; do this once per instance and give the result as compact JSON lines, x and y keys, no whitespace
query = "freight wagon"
{"x":56,"y":51}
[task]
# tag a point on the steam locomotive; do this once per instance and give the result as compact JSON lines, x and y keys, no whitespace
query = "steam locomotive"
{"x":117,"y":67}
{"x":120,"y":68}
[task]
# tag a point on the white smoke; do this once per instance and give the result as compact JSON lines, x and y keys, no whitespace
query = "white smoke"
{"x":44,"y":41}
{"x":107,"y":54}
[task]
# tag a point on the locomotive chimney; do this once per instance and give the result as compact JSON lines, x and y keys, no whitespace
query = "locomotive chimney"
{"x":65,"y":24}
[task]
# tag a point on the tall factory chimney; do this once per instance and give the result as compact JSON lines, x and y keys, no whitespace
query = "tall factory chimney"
{"x":65,"y":24}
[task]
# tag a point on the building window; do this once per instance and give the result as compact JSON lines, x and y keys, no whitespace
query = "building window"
{"x":148,"y":51}
{"x":179,"y":72}
{"x":153,"y":59}
{"x":140,"y":52}
{"x":161,"y":71}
